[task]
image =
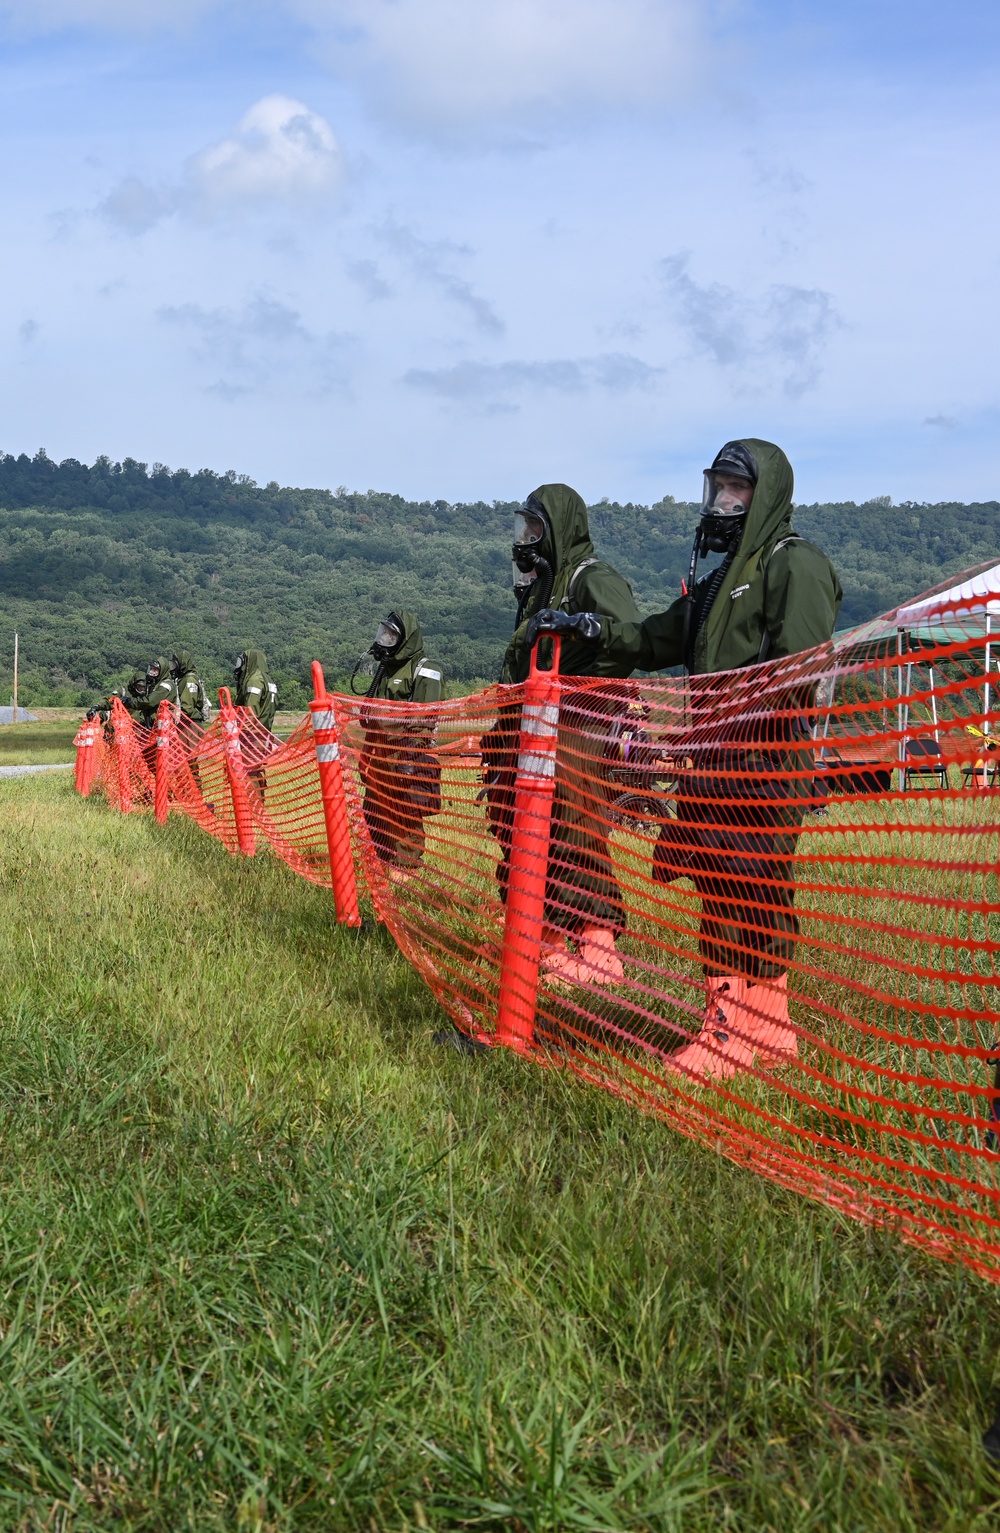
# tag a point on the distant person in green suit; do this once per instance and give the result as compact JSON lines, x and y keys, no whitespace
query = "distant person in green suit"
{"x":558,"y":572}
{"x":191,"y":694}
{"x":253,"y":689}
{"x":740,"y":808}
{"x":402,"y":777}
{"x":160,"y":687}
{"x":132,"y":696}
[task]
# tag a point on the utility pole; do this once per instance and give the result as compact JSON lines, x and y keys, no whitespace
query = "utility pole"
{"x":15,"y":677}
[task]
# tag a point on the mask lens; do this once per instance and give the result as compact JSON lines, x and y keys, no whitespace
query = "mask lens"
{"x":726,"y":495}
{"x":388,"y":636}
{"x":529,"y":529}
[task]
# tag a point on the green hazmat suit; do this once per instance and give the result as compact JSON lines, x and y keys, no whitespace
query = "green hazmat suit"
{"x":581,"y":889}
{"x":580,"y":583}
{"x":163,"y":690}
{"x":778,"y":583}
{"x":740,"y":808}
{"x":254,"y":688}
{"x":401,"y":774}
{"x":134,"y":696}
{"x":191,"y":693}
{"x":408,"y":676}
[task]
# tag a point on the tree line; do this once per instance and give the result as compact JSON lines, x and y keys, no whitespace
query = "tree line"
{"x":105,"y":565}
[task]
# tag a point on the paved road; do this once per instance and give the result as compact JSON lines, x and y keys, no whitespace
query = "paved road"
{"x":25,"y":771}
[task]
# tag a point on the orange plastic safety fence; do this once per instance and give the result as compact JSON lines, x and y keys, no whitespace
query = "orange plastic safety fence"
{"x":762,"y":904}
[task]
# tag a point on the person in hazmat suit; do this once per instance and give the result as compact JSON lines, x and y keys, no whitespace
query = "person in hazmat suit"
{"x":132,"y":696}
{"x":191,"y":694}
{"x":740,"y":805}
{"x":557,"y":569}
{"x":254,"y":690}
{"x":253,"y":687}
{"x":402,"y":776}
{"x":160,"y":687}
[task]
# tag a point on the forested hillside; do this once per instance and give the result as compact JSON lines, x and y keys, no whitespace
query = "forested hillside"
{"x":103,"y":566}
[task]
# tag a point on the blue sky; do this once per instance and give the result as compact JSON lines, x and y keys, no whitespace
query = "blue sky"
{"x":459,"y":247}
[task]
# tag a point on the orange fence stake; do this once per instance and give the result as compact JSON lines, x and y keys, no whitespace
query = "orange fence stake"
{"x":529,"y":856}
{"x":121,"y":726}
{"x":85,"y":742}
{"x":331,"y":781}
{"x":236,"y":773}
{"x":164,"y":736}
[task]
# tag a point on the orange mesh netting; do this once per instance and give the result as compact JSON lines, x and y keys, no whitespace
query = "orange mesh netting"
{"x":565,"y":861}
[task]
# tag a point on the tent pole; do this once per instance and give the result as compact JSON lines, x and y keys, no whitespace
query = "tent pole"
{"x":899,"y":696}
{"x":986,"y":686}
{"x":15,"y":676}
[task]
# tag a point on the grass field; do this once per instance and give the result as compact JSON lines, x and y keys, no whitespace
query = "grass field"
{"x":46,"y":742}
{"x":271,"y":1260}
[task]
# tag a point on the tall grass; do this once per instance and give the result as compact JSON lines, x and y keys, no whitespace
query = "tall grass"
{"x":271,"y":1260}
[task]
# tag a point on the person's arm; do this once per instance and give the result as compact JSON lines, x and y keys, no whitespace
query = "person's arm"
{"x":803,"y":599}
{"x":428,"y":683}
{"x":254,"y":687}
{"x":650,"y":645}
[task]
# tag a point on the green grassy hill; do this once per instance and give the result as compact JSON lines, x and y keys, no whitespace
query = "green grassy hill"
{"x":106,"y":565}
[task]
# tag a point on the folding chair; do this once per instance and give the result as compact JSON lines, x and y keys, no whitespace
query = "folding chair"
{"x":923,"y":763}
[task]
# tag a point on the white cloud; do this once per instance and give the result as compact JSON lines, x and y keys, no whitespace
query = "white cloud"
{"x":263,"y":347}
{"x":491,"y":384}
{"x":281,"y":153}
{"x":431,"y":261}
{"x":781,"y":332}
{"x":447,"y":64}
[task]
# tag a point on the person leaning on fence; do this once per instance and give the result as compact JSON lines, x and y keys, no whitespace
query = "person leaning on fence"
{"x":132,"y":696}
{"x":555,"y":566}
{"x":740,"y":807}
{"x":192,"y":697}
{"x":254,"y":690}
{"x":401,"y":775}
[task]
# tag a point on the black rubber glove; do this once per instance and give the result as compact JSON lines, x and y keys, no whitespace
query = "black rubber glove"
{"x":580,"y":625}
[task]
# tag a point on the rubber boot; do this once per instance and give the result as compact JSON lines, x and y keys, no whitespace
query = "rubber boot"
{"x":599,"y":964}
{"x":558,"y":962}
{"x":722,"y":1047}
{"x":768,"y":1024}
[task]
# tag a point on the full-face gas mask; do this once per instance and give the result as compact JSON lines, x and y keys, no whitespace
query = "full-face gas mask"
{"x":139,"y":687}
{"x":724,"y":507}
{"x":153,"y":673}
{"x":388,"y":638}
{"x":531,"y":530}
{"x":729,"y":489}
{"x":240,"y":664}
{"x":175,"y":669}
{"x":530,"y":527}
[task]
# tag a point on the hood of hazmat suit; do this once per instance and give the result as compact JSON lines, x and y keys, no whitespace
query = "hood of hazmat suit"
{"x":407,"y":675}
{"x":256,"y":690}
{"x":581,"y":582}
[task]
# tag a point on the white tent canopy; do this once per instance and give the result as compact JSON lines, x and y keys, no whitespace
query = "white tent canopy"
{"x":943,"y":618}
{"x":979,"y":596}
